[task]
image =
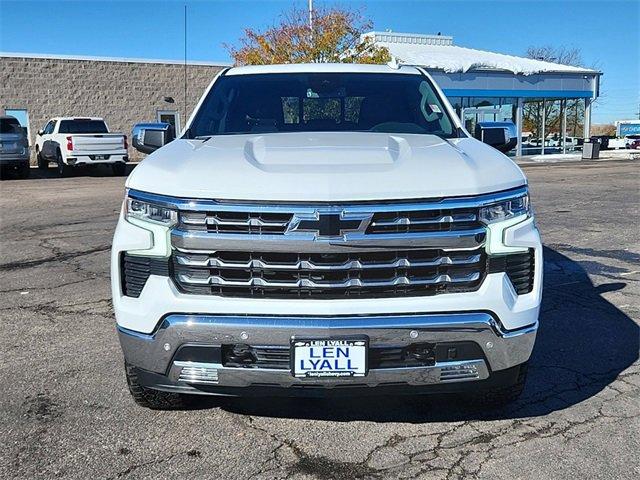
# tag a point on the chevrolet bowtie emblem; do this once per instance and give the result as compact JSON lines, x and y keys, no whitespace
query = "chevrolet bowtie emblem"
{"x":329,"y":224}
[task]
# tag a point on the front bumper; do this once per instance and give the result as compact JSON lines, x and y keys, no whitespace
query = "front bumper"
{"x":155,"y":353}
{"x":153,"y":326}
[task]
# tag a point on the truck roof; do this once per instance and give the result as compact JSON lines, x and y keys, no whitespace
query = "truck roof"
{"x":77,"y":118}
{"x":321,"y":68}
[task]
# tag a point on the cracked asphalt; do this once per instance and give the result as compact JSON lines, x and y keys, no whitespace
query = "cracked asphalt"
{"x":66,"y":412}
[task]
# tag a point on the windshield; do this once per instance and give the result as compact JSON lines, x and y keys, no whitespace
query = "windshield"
{"x":82,"y":126}
{"x":322,"y":102}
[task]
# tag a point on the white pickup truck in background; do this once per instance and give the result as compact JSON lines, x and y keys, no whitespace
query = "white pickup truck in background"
{"x":70,"y":142}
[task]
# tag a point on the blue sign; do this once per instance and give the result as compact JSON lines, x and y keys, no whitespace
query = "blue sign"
{"x":625,"y":129}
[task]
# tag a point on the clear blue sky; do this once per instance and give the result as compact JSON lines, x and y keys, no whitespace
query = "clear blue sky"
{"x":607,"y":32}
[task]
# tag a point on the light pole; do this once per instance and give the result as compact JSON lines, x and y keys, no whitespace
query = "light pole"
{"x":311,"y":18}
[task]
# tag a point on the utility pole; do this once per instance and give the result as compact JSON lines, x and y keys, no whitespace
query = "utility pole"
{"x":311,"y":18}
{"x":185,"y":67}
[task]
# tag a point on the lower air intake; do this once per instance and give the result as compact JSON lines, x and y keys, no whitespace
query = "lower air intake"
{"x":196,"y":373}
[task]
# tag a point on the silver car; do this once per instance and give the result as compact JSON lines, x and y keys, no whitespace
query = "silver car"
{"x":14,"y":147}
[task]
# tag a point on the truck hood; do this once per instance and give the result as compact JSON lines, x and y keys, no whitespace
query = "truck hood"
{"x":325,"y":167}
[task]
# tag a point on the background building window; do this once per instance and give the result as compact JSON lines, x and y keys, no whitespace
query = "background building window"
{"x":171,"y":117}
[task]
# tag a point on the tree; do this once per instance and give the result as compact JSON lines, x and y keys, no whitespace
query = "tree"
{"x":603,"y":129}
{"x":553,"y":111}
{"x":336,"y":37}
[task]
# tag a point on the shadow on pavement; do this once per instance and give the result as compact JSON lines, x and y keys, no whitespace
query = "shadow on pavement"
{"x":583,"y":344}
{"x":51,"y":173}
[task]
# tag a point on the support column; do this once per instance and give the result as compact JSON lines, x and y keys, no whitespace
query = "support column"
{"x":519,"y":110}
{"x":587,"y":118}
{"x":563,"y":105}
{"x":544,"y":125}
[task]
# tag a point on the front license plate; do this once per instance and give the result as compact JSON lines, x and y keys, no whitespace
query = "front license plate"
{"x":329,"y":358}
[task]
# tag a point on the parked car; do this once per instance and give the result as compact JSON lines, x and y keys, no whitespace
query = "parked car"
{"x":14,"y":147}
{"x":571,"y":142}
{"x":617,"y":143}
{"x":72,"y":141}
{"x":634,"y":145}
{"x":325,"y":229}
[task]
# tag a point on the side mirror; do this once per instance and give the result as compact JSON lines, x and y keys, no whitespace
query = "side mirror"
{"x":500,"y":135}
{"x":40,"y":132}
{"x":148,"y":137}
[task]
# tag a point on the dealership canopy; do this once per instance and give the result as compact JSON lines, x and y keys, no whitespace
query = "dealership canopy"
{"x":482,"y":85}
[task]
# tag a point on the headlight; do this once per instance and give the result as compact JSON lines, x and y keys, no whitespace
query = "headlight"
{"x":506,"y":209}
{"x":150,"y":212}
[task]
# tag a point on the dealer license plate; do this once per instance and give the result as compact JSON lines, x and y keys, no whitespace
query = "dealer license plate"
{"x":329,"y":358}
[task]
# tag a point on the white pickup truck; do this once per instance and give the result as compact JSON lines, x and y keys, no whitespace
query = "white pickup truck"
{"x":70,"y":142}
{"x":325,"y":229}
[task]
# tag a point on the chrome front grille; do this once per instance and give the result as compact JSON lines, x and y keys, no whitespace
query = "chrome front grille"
{"x":279,"y":223}
{"x":236,"y":222}
{"x":423,"y":221}
{"x":275,"y":274}
{"x":322,"y":250}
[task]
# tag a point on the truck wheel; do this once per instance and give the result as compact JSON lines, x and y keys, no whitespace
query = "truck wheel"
{"x":502,"y":396}
{"x":24,"y":170}
{"x":42,"y":163}
{"x":64,"y":170}
{"x":119,"y":169}
{"x":153,"y":399}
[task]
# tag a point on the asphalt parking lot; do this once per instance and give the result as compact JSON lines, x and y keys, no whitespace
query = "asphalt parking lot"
{"x":66,"y":411}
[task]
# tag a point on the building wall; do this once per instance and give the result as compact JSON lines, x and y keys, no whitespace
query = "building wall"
{"x":123,"y":93}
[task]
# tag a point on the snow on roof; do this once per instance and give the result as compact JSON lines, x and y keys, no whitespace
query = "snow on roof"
{"x":438,"y":53}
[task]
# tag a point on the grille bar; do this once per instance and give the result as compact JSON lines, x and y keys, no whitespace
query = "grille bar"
{"x":192,"y":260}
{"x":307,"y":283}
{"x":196,"y":218}
{"x":406,"y":220}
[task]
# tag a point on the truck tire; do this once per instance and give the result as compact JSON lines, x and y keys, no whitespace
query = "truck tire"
{"x":119,"y":169}
{"x":64,"y":170}
{"x":502,"y":396}
{"x":42,"y":163}
{"x":153,"y":399}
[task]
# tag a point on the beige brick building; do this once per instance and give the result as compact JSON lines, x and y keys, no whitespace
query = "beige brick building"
{"x":35,"y":88}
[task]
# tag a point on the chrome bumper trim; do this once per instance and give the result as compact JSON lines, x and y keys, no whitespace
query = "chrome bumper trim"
{"x":216,"y":374}
{"x":154,"y":352}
